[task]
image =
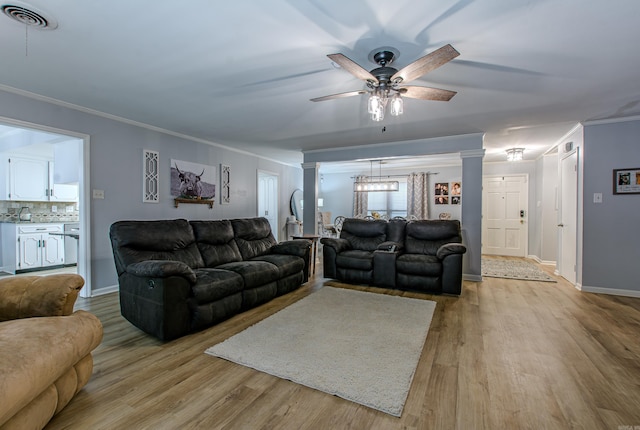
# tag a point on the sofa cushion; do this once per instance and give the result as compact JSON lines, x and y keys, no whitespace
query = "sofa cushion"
{"x":364,"y":235}
{"x":287,"y":264}
{"x":216,"y":242}
{"x":137,"y":241}
{"x":355,"y":259}
{"x":253,"y":237}
{"x":419,"y":264}
{"x":254,"y":273}
{"x":214,"y":284}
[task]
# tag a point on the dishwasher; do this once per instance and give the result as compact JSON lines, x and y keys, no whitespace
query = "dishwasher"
{"x":71,"y":243}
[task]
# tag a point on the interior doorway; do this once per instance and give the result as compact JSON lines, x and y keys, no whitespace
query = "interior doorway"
{"x":69,"y":175}
{"x":268,"y":199}
{"x":505,"y":213}
{"x":568,"y":216}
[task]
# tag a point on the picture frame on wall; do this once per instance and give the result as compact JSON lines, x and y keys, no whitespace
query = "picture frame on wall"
{"x":626,"y":181}
{"x":192,"y":183}
{"x":455,"y":188}
{"x":441,"y":189}
{"x":225,"y":184}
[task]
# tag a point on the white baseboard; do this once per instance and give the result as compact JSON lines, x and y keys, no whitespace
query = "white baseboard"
{"x":611,"y":291}
{"x":105,"y":290}
{"x":540,"y":261}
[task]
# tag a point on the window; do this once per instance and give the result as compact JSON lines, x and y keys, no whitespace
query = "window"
{"x":391,"y":204}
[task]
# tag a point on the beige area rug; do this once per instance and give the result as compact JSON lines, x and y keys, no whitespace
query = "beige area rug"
{"x":513,"y":269}
{"x":363,"y":347}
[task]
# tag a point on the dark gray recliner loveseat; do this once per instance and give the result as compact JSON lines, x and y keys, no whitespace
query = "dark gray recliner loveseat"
{"x":179,"y":276}
{"x":423,"y":255}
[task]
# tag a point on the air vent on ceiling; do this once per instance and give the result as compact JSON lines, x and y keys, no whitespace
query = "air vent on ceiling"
{"x":29,"y":15}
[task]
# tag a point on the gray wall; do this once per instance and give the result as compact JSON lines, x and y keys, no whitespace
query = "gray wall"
{"x":611,"y":235}
{"x":115,"y":167}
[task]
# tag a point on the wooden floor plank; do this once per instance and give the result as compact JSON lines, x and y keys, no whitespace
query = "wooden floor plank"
{"x":505,"y":354}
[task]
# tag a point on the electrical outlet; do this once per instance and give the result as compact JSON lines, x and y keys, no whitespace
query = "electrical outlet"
{"x":54,"y":208}
{"x":69,"y":209}
{"x":98,"y":194}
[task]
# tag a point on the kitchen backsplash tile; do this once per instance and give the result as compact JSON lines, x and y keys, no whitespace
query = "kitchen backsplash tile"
{"x":40,"y":211}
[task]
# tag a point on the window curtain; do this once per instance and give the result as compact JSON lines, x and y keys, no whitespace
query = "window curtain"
{"x":360,"y":200}
{"x":417,"y":195}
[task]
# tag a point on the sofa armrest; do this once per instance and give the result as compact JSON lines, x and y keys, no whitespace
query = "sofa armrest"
{"x":297,"y":247}
{"x":162,"y":269}
{"x":38,"y":296}
{"x":390,"y":246}
{"x":337,"y":244}
{"x":449,"y":249}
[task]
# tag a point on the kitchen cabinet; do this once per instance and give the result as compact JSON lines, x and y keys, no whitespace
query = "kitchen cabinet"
{"x":31,"y":246}
{"x":27,"y":179}
{"x":32,"y":179}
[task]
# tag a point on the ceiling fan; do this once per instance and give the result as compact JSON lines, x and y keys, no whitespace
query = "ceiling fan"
{"x":385,"y":83}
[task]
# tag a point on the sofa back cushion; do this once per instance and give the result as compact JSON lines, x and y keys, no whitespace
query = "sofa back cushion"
{"x":136,"y":241}
{"x":216,"y":242}
{"x":364,"y":235}
{"x":426,"y":236}
{"x":396,"y":230}
{"x":253,"y":236}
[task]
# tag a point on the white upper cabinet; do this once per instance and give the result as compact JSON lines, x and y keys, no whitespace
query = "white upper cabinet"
{"x":26,"y":179}
{"x":31,"y":179}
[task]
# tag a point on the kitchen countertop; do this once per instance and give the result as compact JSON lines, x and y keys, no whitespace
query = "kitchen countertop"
{"x":39,"y":222}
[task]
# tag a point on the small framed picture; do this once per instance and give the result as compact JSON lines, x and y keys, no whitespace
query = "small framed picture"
{"x":626,"y":181}
{"x":456,"y":188}
{"x":441,"y":189}
{"x":455,"y":200}
{"x":442,"y":200}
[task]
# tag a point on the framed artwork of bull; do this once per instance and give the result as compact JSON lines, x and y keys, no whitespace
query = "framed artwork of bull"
{"x":193,"y":181}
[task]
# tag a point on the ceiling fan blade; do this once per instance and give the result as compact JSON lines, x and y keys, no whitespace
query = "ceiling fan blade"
{"x":352,"y":67}
{"x":426,"y":64}
{"x":426,"y":93}
{"x":339,"y":96}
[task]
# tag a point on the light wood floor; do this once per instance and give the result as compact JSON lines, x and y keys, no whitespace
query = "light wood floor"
{"x":504,"y":355}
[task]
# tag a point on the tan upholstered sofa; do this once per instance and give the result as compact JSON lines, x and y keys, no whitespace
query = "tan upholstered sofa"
{"x":45,"y":348}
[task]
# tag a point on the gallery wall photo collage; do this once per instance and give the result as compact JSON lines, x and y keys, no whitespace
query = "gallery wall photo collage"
{"x":448,"y":193}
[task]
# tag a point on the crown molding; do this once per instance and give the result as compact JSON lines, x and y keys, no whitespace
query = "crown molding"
{"x":101,"y":114}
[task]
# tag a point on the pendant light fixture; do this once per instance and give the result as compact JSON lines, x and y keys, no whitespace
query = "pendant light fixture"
{"x":375,"y":183}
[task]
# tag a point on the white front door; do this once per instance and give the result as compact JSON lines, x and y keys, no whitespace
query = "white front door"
{"x":268,"y":199}
{"x":568,"y":217}
{"x":504,"y":215}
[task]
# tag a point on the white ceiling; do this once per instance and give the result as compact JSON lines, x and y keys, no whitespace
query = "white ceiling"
{"x":241,"y":73}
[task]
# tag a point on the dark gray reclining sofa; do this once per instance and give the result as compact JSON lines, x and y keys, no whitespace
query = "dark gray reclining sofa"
{"x":179,"y":276}
{"x":424,"y":255}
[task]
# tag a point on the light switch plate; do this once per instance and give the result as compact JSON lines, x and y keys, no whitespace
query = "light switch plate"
{"x":597,"y":197}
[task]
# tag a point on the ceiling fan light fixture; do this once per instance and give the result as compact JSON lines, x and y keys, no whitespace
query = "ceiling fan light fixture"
{"x":374,"y":103}
{"x":515,"y":154}
{"x":378,"y":114}
{"x":397,"y":105}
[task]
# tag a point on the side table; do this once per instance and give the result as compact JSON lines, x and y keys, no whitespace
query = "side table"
{"x":314,"y":238}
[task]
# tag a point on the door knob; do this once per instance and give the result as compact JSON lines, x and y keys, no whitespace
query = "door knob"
{"x":560,"y":225}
